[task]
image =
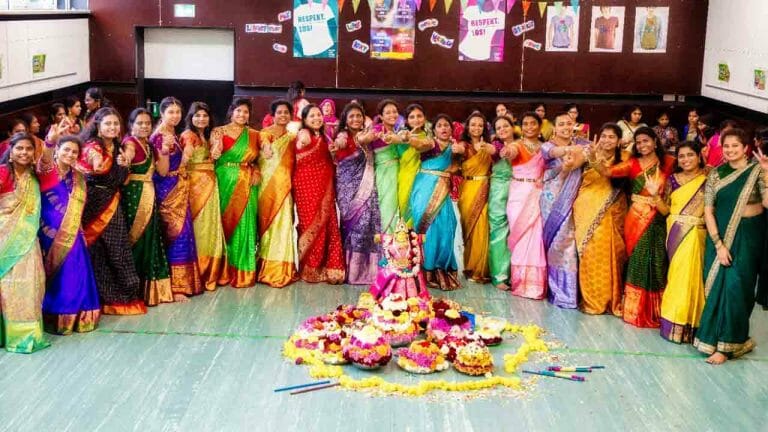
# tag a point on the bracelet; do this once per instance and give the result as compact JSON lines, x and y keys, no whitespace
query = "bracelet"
{"x":49,"y":144}
{"x":715,"y":238}
{"x":718,"y":244}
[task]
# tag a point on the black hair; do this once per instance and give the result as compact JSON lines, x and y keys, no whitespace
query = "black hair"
{"x":411,"y":108}
{"x":134,"y":115}
{"x":533,"y":115}
{"x":570,"y":106}
{"x":560,"y":114}
{"x":71,"y":101}
{"x":91,"y":130}
{"x":55,"y":107}
{"x":506,"y":119}
{"x":627,"y":115}
{"x":96,"y":94}
{"x":663,"y":113}
{"x":728,"y":123}
{"x":439,"y":117}
{"x":15,"y":139}
{"x":29,"y":118}
{"x":647,"y":131}
{"x":345,"y":112}
{"x":193,"y":109}
{"x":465,"y":133}
{"x":294,"y":91}
{"x":70,"y":139}
{"x":383,"y":104}
{"x":238,"y":102}
{"x":735,"y":132}
{"x":693,"y":145}
{"x":305,"y":113}
{"x":15,"y":122}
{"x":276,"y":104}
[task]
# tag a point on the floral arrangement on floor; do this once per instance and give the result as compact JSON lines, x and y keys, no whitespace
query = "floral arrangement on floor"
{"x":353,"y":333}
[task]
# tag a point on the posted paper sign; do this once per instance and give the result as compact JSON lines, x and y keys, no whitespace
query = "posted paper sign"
{"x":315,"y":28}
{"x":393,"y":29}
{"x":481,"y":30}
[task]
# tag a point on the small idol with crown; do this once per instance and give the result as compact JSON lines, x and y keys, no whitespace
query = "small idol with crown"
{"x":400,"y":270}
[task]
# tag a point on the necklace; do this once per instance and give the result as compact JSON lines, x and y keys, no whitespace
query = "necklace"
{"x":532,"y":147}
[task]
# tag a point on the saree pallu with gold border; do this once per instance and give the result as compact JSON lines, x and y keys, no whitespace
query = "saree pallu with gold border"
{"x":473,"y":208}
{"x":239,"y":204}
{"x":359,"y":211}
{"x":172,"y":192}
{"x":598,"y":215}
{"x":106,"y":234}
{"x":320,"y":253}
{"x":645,"y":236}
{"x":22,"y":275}
{"x":138,"y":200}
{"x":206,"y":214}
{"x":498,"y":249}
{"x":730,"y":291}
{"x":433,"y":216}
{"x":410,"y":161}
{"x":528,"y":259}
{"x":557,"y":197}
{"x":277,"y":263}
{"x":683,"y":298}
{"x":71,"y":302}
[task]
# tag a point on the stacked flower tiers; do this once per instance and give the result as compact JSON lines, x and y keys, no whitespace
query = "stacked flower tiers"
{"x":364,"y":335}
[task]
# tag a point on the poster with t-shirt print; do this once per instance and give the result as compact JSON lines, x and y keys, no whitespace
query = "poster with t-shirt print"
{"x":393,"y":29}
{"x":562,"y":29}
{"x":315,"y":28}
{"x":651,"y":29}
{"x":607,"y":33}
{"x":481,"y":30}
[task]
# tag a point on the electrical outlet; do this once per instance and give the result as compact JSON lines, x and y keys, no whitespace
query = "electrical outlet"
{"x":668,"y":98}
{"x":681,"y":98}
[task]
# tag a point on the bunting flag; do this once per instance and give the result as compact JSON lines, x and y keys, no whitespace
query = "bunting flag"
{"x":418,"y":5}
{"x":432,"y":4}
{"x":355,"y":5}
{"x":510,"y":4}
{"x":559,"y":7}
{"x":542,"y":8}
{"x":526,"y":6}
{"x":448,"y":4}
{"x":575,"y":6}
{"x":341,"y":6}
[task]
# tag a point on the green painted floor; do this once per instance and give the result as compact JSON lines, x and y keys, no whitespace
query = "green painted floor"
{"x":211,"y":365}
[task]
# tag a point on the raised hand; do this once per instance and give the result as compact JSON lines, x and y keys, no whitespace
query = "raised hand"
{"x":762,"y":159}
{"x":653,"y":183}
{"x":56,"y":131}
{"x":266,"y":151}
{"x":122,"y":160}
{"x":457,"y":148}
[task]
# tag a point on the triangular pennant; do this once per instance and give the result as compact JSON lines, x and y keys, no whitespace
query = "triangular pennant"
{"x":418,"y":5}
{"x":355,"y":5}
{"x":341,"y":6}
{"x":559,"y":7}
{"x":526,"y":6}
{"x":448,"y":4}
{"x":432,"y":4}
{"x":510,"y":3}
{"x":542,"y":8}
{"x":575,"y":6}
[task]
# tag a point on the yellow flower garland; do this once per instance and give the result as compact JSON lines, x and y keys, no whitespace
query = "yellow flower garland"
{"x":317,"y":369}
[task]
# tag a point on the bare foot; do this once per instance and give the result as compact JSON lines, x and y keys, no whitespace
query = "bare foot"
{"x":180,"y":298}
{"x":717,"y":358}
{"x":502,"y":287}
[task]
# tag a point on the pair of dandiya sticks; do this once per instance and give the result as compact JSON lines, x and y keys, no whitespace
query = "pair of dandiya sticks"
{"x":306,"y":388}
{"x":564,"y":372}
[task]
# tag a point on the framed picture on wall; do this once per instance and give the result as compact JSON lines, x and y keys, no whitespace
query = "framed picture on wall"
{"x":651,"y":24}
{"x":607,"y":29}
{"x":32,"y":4}
{"x":562,"y":29}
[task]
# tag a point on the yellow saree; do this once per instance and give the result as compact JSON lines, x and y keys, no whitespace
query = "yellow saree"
{"x":473,"y":208}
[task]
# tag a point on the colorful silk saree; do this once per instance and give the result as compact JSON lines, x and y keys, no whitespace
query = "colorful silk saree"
{"x":320,"y":252}
{"x":138,"y":200}
{"x":206,"y":214}
{"x":683,"y":298}
{"x":277,"y":264}
{"x":22,"y":275}
{"x":473,"y":208}
{"x":499,"y":255}
{"x":433,"y":216}
{"x":730,"y":291}
{"x":71,"y":302}
{"x":172,"y":192}
{"x":387,"y":168}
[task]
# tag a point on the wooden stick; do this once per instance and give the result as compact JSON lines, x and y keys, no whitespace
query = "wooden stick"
{"x":315,"y":388}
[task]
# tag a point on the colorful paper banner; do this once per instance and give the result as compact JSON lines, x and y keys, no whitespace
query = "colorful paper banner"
{"x":575,"y":6}
{"x":526,"y":7}
{"x":558,"y":7}
{"x":355,"y":5}
{"x":432,"y":4}
{"x":510,"y":4}
{"x":448,"y":4}
{"x":542,"y":8}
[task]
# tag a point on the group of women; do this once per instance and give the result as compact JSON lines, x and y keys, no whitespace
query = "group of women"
{"x":106,"y":217}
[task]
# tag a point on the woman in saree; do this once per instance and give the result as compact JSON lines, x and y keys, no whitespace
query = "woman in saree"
{"x":547,"y":128}
{"x":432,"y":209}
{"x":106,"y":168}
{"x":204,"y":197}
{"x":235,"y":148}
{"x":320,"y":252}
{"x":598,"y":216}
{"x":561,"y":184}
{"x":328,"y":107}
{"x":734,"y":200}
{"x":498,"y":193}
{"x":417,"y":134}
{"x":172,"y":192}
{"x":277,"y":265}
{"x":527,"y":260}
{"x":387,"y":164}
{"x":477,"y":155}
{"x":683,"y":298}
{"x":71,"y":302}
{"x":22,"y":276}
{"x":629,"y":124}
{"x":644,"y":229}
{"x":356,"y":196}
{"x":138,"y":200}
{"x":74,"y":109}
